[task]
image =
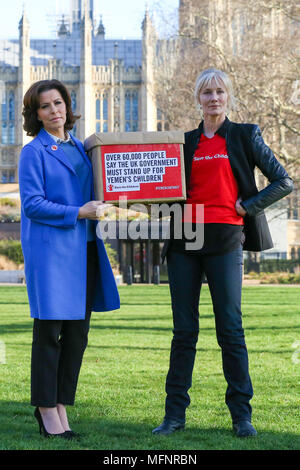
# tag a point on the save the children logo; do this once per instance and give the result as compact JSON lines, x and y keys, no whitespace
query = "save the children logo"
{"x":125,"y":171}
{"x":208,"y":157}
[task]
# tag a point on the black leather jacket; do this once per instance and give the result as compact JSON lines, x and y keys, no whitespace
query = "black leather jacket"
{"x":246,"y":150}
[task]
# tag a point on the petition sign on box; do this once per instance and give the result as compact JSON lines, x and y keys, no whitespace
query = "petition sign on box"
{"x":143,"y":166}
{"x":141,"y":170}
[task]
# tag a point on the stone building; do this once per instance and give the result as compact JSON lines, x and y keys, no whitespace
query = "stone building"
{"x":110,"y":81}
{"x":112,"y":85}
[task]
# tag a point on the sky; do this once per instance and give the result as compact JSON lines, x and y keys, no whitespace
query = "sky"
{"x":121,"y":18}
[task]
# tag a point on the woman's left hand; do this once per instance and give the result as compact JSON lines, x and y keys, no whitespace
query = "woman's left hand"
{"x":239,"y":209}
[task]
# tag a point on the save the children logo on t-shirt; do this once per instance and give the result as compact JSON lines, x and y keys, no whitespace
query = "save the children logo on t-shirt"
{"x":125,"y":171}
{"x":208,"y":157}
{"x":212,"y":182}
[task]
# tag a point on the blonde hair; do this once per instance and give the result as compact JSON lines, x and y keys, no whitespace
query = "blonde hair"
{"x":205,"y":78}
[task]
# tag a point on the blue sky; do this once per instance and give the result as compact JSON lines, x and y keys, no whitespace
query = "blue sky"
{"x":121,"y":18}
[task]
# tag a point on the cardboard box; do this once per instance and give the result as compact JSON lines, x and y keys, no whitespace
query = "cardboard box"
{"x":143,"y":166}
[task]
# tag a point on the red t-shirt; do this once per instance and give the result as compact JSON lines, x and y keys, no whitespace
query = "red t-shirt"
{"x":212,"y":183}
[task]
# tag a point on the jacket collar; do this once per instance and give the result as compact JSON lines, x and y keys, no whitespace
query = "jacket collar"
{"x":221,"y":131}
{"x":45,"y":138}
{"x":62,"y":141}
{"x":56,"y":151}
{"x":53,"y":149}
{"x":81,"y":149}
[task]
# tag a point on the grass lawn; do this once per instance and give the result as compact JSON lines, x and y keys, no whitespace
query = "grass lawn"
{"x":120,"y":396}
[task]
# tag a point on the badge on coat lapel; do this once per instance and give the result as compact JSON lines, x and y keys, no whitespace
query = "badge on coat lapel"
{"x":54,"y":147}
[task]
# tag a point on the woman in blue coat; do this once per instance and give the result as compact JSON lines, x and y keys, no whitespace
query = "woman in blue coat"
{"x":67,"y":270}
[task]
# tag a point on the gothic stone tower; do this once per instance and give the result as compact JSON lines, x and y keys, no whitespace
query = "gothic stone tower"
{"x":85,"y":87}
{"x":80,"y":9}
{"x":148,"y":103}
{"x":110,"y":81}
{"x":23,"y":77}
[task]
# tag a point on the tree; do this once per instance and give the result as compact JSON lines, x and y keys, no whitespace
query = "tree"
{"x":257,"y":44}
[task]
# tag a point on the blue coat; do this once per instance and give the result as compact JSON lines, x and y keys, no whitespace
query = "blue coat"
{"x":53,"y":239}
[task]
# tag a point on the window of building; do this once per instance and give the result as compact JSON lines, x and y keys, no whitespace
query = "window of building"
{"x":296,"y":205}
{"x":74,"y":108}
{"x":293,"y":210}
{"x":131,"y":111}
{"x":8,"y":118}
{"x":11,"y":133}
{"x":4,"y":133}
{"x":4,"y":110}
{"x":293,"y":253}
{"x":73,"y":101}
{"x":102,"y":112}
{"x":8,"y":176}
{"x":98,"y":114}
{"x":11,"y":106}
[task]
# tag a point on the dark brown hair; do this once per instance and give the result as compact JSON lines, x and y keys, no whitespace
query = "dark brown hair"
{"x":31,"y":104}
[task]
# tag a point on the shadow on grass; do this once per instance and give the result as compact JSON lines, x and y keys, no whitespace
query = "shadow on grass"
{"x":217,"y":349}
{"x":146,"y":317}
{"x":169,"y":328}
{"x":12,"y":328}
{"x":151,"y":303}
{"x":23,"y":327}
{"x":13,"y":302}
{"x":19,"y":431}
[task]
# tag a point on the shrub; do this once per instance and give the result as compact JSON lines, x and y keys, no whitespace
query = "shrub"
{"x":13,"y":217}
{"x":282,"y":265}
{"x":9,"y":265}
{"x":9,"y":210}
{"x":12,"y":250}
{"x":6,"y":201}
{"x":113,"y":258}
{"x":271,"y":265}
{"x":279,"y":278}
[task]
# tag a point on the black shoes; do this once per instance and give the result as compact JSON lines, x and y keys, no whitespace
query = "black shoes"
{"x":65,"y":435}
{"x":244,"y":429}
{"x":169,"y":426}
{"x":73,"y":434}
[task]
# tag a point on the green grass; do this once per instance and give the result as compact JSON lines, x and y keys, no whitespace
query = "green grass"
{"x":120,"y":396}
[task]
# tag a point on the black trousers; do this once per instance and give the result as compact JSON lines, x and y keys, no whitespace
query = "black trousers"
{"x":224,"y":276}
{"x":58,"y":347}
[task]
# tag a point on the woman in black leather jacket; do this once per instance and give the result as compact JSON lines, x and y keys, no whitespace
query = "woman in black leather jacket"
{"x":220,"y":157}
